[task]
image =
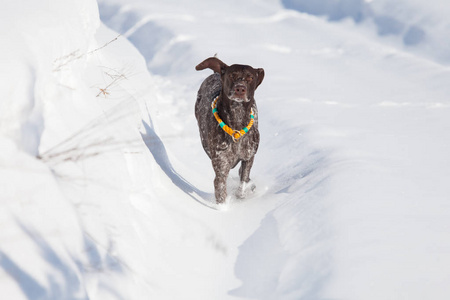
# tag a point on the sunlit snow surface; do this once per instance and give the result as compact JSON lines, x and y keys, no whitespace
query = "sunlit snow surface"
{"x":106,"y":192}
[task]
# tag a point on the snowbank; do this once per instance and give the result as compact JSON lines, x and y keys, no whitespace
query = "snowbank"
{"x":53,"y":129}
{"x":39,"y":224}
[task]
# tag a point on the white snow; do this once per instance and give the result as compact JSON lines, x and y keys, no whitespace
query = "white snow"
{"x":106,"y":192}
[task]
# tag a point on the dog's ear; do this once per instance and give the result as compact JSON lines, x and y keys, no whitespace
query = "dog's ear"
{"x":214,"y":64}
{"x":260,"y":76}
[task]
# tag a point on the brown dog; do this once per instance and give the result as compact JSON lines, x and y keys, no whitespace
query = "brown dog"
{"x":227,"y":118}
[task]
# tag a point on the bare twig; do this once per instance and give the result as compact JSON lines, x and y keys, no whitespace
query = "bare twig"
{"x":115,"y":79}
{"x":106,"y":44}
{"x":75,"y":55}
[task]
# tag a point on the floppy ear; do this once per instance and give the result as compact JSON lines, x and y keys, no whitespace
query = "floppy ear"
{"x":214,"y":64}
{"x":260,"y":76}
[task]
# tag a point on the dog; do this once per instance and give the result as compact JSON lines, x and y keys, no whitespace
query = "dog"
{"x":227,"y":118}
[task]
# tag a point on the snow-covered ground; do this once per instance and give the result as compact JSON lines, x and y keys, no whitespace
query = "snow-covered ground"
{"x":106,"y":192}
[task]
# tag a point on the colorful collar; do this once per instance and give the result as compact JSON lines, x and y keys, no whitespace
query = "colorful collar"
{"x":235,"y":134}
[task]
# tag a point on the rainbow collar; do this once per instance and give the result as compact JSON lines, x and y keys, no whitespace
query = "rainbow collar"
{"x":235,"y":134}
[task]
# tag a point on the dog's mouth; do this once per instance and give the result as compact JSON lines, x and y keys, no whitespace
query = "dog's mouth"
{"x":239,"y":99}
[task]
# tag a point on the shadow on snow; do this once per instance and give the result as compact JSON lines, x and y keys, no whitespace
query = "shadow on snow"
{"x":71,"y":286}
{"x":158,"y":150}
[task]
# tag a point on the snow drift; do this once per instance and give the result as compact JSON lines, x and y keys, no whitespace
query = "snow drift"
{"x":53,"y":128}
{"x":106,"y":191}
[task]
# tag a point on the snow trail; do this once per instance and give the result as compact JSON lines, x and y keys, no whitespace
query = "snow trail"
{"x":326,"y":144}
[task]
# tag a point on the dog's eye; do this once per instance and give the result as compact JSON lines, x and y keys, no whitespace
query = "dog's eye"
{"x":249,"y":77}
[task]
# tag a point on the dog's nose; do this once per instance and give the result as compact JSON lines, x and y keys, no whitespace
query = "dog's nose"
{"x":239,"y":90}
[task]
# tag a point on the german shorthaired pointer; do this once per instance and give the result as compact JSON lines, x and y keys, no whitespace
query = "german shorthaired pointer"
{"x":227,"y":118}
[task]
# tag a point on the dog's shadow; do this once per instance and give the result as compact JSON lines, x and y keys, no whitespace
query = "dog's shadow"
{"x":158,"y":150}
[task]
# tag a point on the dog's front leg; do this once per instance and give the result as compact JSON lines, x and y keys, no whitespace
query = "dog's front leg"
{"x":244,"y":170}
{"x":221,"y":168}
{"x":244,"y":173}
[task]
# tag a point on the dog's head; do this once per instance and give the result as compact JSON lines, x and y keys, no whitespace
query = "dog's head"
{"x":239,"y":82}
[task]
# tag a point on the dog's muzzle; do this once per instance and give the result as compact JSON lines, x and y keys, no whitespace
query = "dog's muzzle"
{"x":239,"y":93}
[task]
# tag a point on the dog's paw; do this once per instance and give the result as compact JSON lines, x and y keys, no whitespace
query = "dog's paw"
{"x":245,"y":189}
{"x":224,"y":205}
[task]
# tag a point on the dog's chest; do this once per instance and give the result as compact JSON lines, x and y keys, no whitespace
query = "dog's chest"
{"x":222,"y":144}
{"x":236,"y":117}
